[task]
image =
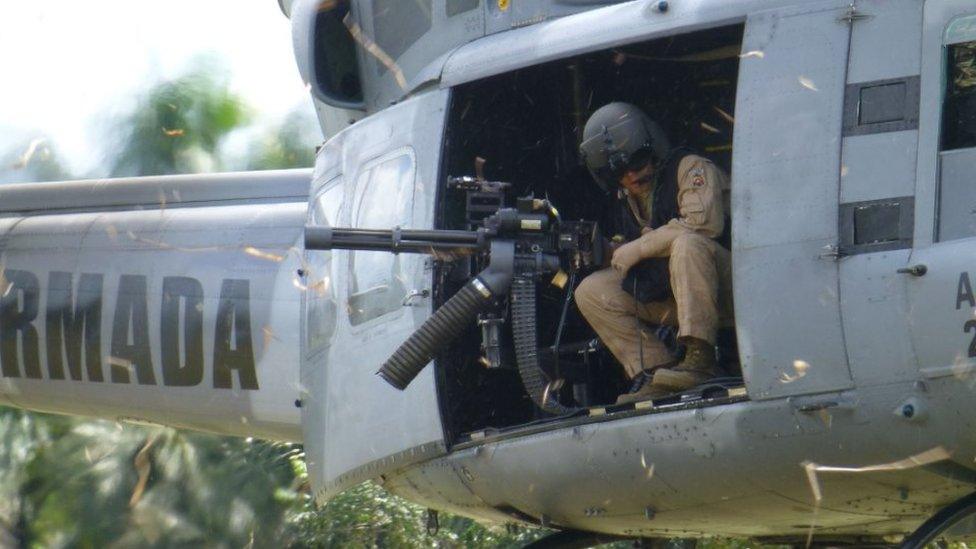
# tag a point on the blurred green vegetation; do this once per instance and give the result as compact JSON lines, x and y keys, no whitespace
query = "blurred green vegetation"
{"x":178,"y":125}
{"x":70,"y":482}
{"x":289,"y":144}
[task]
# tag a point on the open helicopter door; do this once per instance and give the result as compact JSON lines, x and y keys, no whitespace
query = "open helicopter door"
{"x":877,"y":187}
{"x":785,"y":172}
{"x":361,"y":305}
{"x":943,"y":304}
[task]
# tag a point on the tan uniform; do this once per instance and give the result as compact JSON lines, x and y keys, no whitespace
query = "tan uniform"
{"x":700,"y":269}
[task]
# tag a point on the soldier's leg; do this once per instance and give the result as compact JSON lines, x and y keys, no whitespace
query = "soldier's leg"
{"x":612,"y":314}
{"x":697,"y":268}
{"x":695,"y":275}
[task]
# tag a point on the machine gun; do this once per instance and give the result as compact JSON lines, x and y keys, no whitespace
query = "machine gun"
{"x":515,"y":248}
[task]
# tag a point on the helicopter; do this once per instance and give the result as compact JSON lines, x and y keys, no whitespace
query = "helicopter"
{"x":439,"y":235}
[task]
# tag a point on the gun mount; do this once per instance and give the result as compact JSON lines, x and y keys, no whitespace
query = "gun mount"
{"x":515,"y":249}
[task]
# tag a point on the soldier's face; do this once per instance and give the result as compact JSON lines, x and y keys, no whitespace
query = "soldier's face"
{"x":638,"y":181}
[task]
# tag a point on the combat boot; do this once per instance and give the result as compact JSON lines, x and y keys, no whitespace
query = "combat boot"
{"x":642,"y":389}
{"x":698,"y":366}
{"x":648,"y":391}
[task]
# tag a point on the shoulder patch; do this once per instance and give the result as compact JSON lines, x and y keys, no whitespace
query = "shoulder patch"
{"x":697,"y":175}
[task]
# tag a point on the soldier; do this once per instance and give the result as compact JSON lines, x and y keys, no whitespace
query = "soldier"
{"x":668,"y":269}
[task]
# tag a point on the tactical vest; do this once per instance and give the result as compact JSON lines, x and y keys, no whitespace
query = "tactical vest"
{"x":650,"y":280}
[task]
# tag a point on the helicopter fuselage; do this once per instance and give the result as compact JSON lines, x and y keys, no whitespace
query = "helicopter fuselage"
{"x":190,"y":301}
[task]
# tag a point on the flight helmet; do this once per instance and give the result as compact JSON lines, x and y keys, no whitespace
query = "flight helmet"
{"x":619,"y":137}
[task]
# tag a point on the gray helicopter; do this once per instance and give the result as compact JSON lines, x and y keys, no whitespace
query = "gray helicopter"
{"x":439,"y":236}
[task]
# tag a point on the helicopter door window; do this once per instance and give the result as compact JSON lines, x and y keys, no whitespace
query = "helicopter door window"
{"x":959,"y":112}
{"x":320,"y":316}
{"x":383,"y":199}
{"x":957,"y":150}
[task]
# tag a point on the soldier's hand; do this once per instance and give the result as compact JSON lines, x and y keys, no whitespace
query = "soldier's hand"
{"x":610,"y":246}
{"x":626,"y":256}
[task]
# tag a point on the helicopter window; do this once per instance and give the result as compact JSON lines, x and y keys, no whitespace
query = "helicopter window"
{"x":959,"y":112}
{"x":398,"y":24}
{"x":383,"y":199}
{"x":336,"y":65}
{"x":320,"y":316}
{"x":455,"y":7}
{"x":883,"y":103}
{"x":881,"y":106}
{"x":958,"y":138}
{"x":877,"y":225}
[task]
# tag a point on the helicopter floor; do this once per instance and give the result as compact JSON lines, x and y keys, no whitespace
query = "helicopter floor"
{"x":717,"y":392}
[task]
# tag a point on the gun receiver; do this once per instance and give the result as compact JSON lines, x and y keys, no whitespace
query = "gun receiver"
{"x":515,"y":246}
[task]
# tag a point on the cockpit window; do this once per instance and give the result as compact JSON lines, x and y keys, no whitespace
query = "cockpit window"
{"x":383,"y":199}
{"x":337,"y":67}
{"x":397,"y":24}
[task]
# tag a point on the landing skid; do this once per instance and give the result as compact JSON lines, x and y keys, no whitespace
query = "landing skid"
{"x":943,"y":523}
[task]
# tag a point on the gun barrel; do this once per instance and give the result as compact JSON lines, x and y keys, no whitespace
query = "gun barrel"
{"x":395,"y":241}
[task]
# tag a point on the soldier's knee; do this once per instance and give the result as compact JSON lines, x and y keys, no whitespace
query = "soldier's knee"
{"x":585,"y":295}
{"x":690,"y":243}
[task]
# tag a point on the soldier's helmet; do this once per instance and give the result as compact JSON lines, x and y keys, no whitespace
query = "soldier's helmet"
{"x":619,"y":137}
